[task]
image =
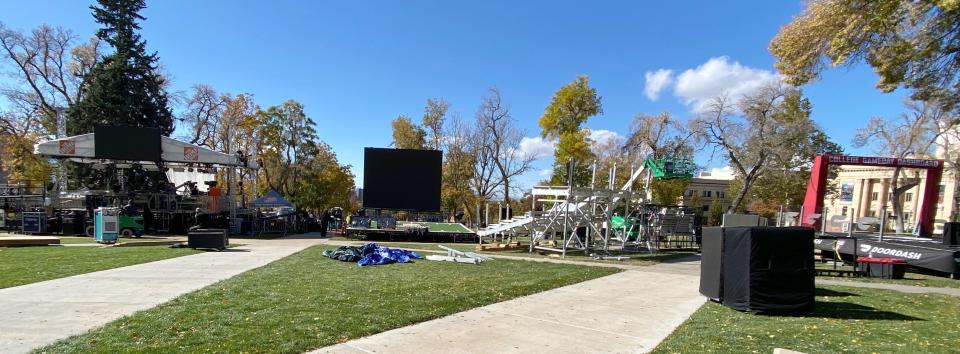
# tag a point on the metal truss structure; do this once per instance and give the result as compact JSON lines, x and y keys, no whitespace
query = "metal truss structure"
{"x":580,"y":219}
{"x":577,"y":219}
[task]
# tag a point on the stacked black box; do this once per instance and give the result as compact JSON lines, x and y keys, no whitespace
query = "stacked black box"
{"x":207,"y":238}
{"x":711,"y":263}
{"x":762,"y":269}
{"x":951,"y":233}
{"x":73,"y":224}
{"x":885,"y":270}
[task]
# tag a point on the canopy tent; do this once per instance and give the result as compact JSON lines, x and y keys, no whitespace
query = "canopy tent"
{"x":272,"y":199}
{"x":83,"y":148}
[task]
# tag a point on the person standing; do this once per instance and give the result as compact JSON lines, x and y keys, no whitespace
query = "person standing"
{"x":199,"y":219}
{"x":324,"y":219}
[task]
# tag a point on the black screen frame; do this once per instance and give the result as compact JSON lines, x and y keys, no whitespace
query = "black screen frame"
{"x":127,"y":143}
{"x":402,"y":179}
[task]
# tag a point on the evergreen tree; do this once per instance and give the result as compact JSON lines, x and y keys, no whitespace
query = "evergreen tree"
{"x":125,"y":87}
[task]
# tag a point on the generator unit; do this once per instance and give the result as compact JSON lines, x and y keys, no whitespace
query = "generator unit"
{"x":106,"y":225}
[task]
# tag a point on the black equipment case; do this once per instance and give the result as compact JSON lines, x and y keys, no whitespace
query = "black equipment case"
{"x":208,"y":238}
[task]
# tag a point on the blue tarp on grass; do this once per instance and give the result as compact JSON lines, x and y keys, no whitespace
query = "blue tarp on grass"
{"x":376,"y":255}
{"x":372,"y":254}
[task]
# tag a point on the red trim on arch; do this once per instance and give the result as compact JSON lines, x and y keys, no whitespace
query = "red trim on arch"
{"x":817,"y":186}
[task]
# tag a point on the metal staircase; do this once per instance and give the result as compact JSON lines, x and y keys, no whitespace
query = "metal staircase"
{"x":506,"y":225}
{"x":559,"y":196}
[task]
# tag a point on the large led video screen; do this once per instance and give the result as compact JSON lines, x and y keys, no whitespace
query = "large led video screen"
{"x":127,"y":143}
{"x":401,"y":179}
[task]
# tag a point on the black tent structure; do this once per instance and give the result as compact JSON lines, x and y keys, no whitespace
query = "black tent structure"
{"x":759,"y":269}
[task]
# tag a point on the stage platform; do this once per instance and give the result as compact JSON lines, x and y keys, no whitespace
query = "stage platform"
{"x":441,"y":227}
{"x":417,"y":231}
{"x":18,"y":240}
{"x":923,"y":253}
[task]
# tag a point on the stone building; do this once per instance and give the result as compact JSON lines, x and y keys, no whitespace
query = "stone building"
{"x":709,"y":186}
{"x":865,"y":192}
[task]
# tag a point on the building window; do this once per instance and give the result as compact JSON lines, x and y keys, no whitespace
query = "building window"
{"x":706,"y":207}
{"x":691,"y":192}
{"x":843,"y":211}
{"x":908,"y":197}
{"x":875,"y":196}
{"x":940,"y":193}
{"x":706,"y":194}
{"x":720,"y":195}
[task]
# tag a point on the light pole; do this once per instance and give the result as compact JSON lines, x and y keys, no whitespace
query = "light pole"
{"x":61,"y":133}
{"x":883,"y":221}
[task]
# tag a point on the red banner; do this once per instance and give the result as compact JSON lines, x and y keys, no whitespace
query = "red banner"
{"x":882,"y":161}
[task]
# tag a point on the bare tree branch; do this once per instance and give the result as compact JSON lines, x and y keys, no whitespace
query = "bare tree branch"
{"x":510,"y":161}
{"x":913,"y":134}
{"x":760,"y":133}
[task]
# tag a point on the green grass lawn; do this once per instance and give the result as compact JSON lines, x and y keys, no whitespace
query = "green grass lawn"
{"x":846,"y":320}
{"x":307,"y":301}
{"x":637,"y":259}
{"x":25,"y":265}
{"x":914,"y":279}
{"x":445,"y":227}
{"x":73,"y":240}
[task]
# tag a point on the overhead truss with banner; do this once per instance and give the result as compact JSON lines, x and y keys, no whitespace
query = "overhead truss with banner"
{"x":817,"y":186}
{"x":83,"y":148}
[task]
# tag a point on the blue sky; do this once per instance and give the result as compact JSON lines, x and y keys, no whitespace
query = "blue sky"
{"x":356,"y":65}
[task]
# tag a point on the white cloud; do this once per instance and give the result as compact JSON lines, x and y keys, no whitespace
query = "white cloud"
{"x":724,"y":173}
{"x":602,"y":137}
{"x":719,"y":75}
{"x":545,"y":172}
{"x":656,"y":81}
{"x":537,"y":147}
{"x":697,"y":86}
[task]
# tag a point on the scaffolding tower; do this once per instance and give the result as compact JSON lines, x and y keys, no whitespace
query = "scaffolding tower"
{"x":600,"y":220}
{"x":576,"y":219}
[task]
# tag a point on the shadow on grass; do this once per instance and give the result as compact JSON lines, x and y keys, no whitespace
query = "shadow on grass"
{"x":676,"y":257}
{"x":844,"y":311}
{"x":832,"y":293}
{"x":848,"y":311}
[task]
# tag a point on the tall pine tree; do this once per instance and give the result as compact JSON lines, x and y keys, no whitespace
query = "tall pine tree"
{"x":125,"y":87}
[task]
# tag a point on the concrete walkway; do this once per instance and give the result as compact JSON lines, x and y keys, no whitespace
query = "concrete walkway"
{"x":628,"y":312}
{"x":38,"y":314}
{"x":895,"y":287}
